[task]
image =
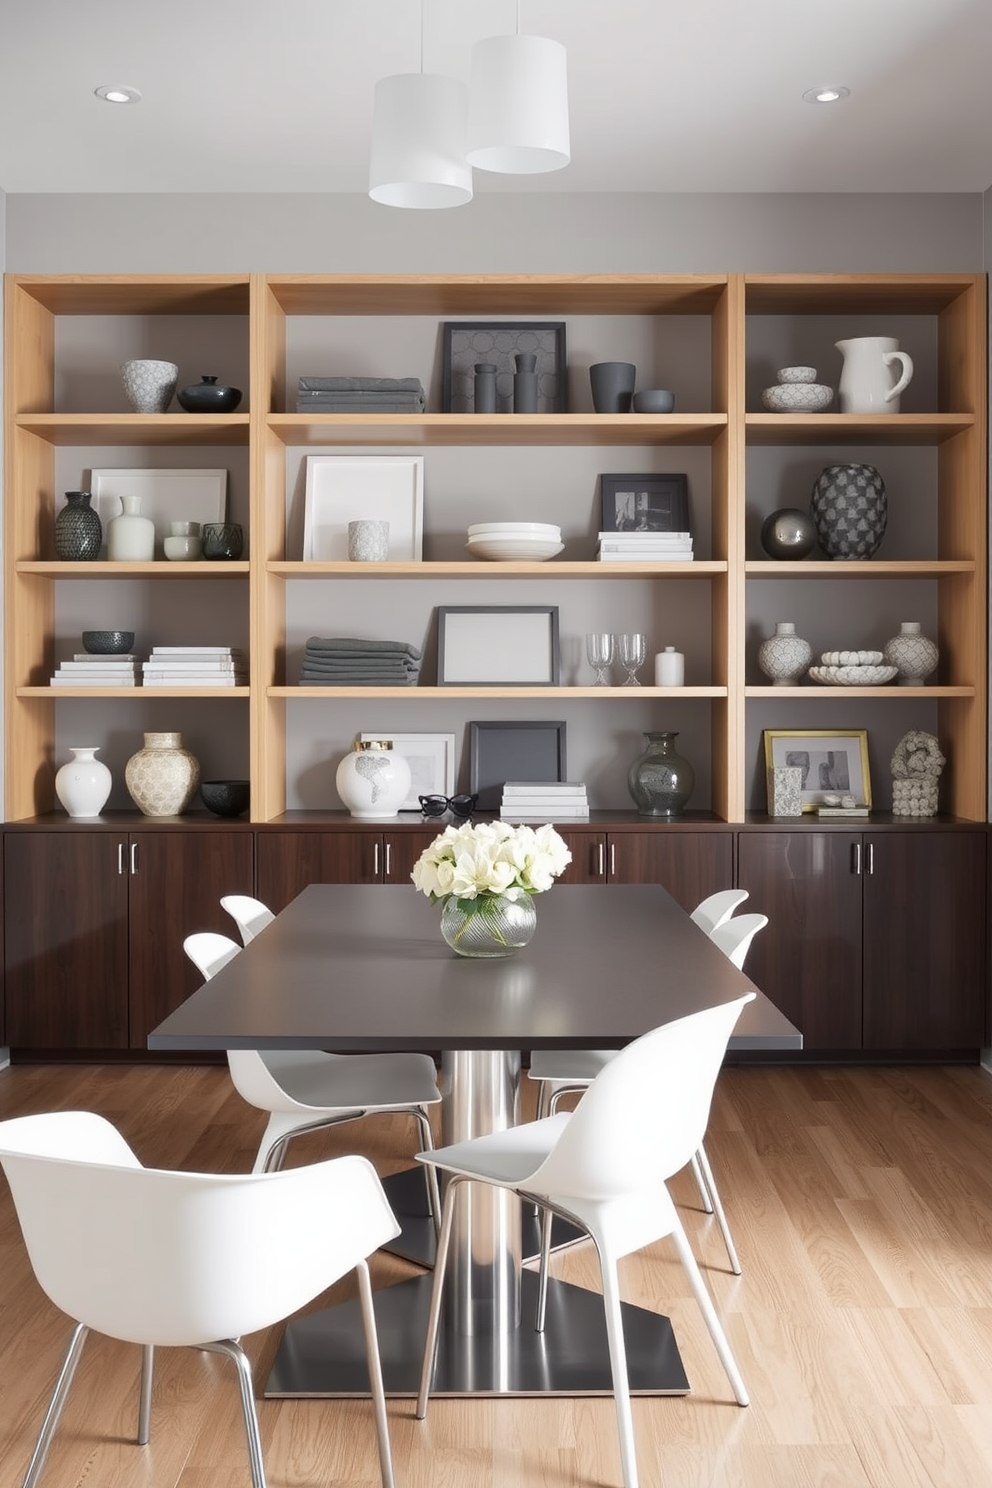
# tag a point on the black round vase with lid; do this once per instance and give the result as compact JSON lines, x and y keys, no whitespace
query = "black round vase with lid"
{"x":208,"y":397}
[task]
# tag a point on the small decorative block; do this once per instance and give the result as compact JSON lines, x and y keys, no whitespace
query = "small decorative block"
{"x":785,"y":791}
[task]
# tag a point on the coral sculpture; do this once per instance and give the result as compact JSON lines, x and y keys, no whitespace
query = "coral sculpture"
{"x":916,"y":766}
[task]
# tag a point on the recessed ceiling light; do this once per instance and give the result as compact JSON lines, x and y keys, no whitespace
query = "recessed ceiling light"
{"x":118,"y":95}
{"x":826,"y":95}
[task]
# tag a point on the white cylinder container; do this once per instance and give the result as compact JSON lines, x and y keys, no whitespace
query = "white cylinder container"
{"x":130,"y":536}
{"x":83,"y":783}
{"x":669,"y":668}
{"x":373,"y":781}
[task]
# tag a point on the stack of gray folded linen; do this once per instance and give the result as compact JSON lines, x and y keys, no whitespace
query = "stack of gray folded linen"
{"x":360,"y":395}
{"x":345,"y":661}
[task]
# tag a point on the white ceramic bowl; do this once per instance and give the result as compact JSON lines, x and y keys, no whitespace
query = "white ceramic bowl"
{"x":852,"y":658}
{"x":798,"y":397}
{"x":852,"y":676}
{"x":515,"y":529}
{"x":508,"y":550}
{"x":183,"y":548}
{"x":796,"y":374}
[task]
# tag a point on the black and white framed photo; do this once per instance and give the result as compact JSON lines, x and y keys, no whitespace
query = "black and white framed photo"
{"x":834,"y":762}
{"x":644,"y":503}
{"x":497,"y":342}
{"x":431,"y":758}
{"x":498,"y":752}
{"x":497,"y":646}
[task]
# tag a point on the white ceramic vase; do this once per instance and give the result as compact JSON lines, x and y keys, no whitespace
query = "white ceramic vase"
{"x":149,"y":385}
{"x":914,"y":656}
{"x":83,"y":783}
{"x":163,"y":776}
{"x":784,"y":657}
{"x":373,"y":781}
{"x":130,"y":536}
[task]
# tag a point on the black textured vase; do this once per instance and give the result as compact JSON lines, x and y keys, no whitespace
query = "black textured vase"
{"x":78,"y":529}
{"x":207,"y":397}
{"x":222,"y":540}
{"x":850,"y":510}
{"x":661,"y":780}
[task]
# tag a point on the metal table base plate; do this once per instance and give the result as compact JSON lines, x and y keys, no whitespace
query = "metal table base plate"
{"x":322,"y":1355}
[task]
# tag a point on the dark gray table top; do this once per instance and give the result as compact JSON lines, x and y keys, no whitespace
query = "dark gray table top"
{"x":351,"y":967}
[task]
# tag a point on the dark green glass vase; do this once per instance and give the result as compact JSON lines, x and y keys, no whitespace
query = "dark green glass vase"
{"x":660,"y":780}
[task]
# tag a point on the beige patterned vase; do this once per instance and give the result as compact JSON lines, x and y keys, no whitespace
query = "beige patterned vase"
{"x":163,"y":776}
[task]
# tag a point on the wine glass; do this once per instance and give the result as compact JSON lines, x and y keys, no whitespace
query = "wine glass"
{"x":632,"y":653}
{"x":599,"y":652}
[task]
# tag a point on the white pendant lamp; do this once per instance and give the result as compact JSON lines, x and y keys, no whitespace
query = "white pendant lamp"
{"x":518,"y":117}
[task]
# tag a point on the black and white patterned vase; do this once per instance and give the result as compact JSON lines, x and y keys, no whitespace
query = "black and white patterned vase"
{"x":850,"y":510}
{"x":78,"y":529}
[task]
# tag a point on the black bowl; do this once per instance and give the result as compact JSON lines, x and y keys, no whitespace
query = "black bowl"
{"x":108,"y":642}
{"x":226,"y":797}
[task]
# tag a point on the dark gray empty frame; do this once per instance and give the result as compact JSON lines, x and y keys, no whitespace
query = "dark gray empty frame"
{"x":497,"y":646}
{"x":499,"y":752}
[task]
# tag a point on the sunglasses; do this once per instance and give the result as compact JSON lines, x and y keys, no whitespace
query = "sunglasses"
{"x":458,"y":805}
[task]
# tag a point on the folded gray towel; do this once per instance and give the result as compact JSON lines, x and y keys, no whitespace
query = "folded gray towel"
{"x":321,"y":681}
{"x":318,"y":644}
{"x":361,"y":384}
{"x":368,"y":670}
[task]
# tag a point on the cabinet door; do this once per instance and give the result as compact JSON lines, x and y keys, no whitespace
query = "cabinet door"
{"x":924,"y":940}
{"x":588,"y":865}
{"x":66,"y":934}
{"x":400,"y":850}
{"x":176,"y":880}
{"x":690,"y":865}
{"x":808,"y":957}
{"x":286,"y":862}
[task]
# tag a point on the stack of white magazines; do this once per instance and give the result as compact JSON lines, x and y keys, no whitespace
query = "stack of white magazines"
{"x":195,"y":666}
{"x":645,"y":547}
{"x":85,"y":670}
{"x":525,"y":800}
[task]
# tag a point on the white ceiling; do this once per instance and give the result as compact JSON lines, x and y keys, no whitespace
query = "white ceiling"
{"x":665,"y":95}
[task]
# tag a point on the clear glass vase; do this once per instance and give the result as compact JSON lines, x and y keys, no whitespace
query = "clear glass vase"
{"x":490,"y":925}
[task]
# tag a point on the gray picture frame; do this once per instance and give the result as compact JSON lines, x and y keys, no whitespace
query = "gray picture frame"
{"x":497,"y":646}
{"x":465,"y":342}
{"x":644,"y":503}
{"x":531,"y":750}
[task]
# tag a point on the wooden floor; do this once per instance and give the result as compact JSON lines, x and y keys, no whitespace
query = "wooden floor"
{"x":861,"y":1201}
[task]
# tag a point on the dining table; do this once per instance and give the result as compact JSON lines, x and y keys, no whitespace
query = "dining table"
{"x":361,"y":967}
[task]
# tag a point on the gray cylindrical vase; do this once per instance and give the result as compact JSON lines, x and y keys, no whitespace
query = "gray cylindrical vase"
{"x":612,"y":386}
{"x":525,"y":383}
{"x":485,"y":387}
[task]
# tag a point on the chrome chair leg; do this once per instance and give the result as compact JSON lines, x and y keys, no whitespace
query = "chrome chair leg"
{"x":54,"y":1411}
{"x":542,"y":1275}
{"x":233,"y":1350}
{"x":375,"y":1375}
{"x":145,"y":1394}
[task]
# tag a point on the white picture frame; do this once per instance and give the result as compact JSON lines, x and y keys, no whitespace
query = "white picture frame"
{"x":167,"y":496}
{"x":431,"y":758}
{"x":347,"y":488}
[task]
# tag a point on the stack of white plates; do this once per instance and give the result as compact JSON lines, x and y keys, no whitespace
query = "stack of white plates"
{"x":514,"y":542}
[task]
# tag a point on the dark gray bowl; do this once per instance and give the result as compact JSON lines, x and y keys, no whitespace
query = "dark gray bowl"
{"x":107,"y":642}
{"x":653,"y":400}
{"x":226,"y":797}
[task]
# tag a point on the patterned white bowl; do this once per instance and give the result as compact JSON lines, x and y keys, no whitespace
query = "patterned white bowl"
{"x":796,"y":374}
{"x":852,"y":658}
{"x":798,"y":397}
{"x":852,"y":676}
{"x":149,"y":385}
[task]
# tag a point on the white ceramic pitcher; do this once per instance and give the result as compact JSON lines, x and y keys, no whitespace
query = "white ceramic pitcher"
{"x":866,"y":384}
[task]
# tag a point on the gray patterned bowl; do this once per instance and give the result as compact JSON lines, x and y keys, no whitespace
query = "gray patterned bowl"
{"x":226,"y":797}
{"x":798,"y":397}
{"x":107,"y":642}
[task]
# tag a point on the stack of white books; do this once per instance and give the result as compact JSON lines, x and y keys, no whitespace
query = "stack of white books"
{"x":195,"y":666}
{"x":525,"y":800}
{"x":645,"y":547}
{"x":84,"y":670}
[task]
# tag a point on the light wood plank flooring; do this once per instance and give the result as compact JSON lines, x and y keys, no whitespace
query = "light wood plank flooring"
{"x":861,"y":1201}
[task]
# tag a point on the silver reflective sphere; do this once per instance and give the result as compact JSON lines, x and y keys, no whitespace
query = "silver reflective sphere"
{"x":788,"y":534}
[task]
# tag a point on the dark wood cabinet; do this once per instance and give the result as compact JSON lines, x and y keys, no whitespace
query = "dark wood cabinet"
{"x":876,"y":941}
{"x":690,"y":865}
{"x":287,"y":861}
{"x":96,"y":920}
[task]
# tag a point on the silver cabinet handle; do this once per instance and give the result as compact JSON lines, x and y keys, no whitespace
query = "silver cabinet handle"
{"x":613,"y":860}
{"x":856,"y":857}
{"x":134,"y":857}
{"x":389,"y":855}
{"x":375,"y":860}
{"x":120,"y":858}
{"x":601,"y":853}
{"x":870,"y":857}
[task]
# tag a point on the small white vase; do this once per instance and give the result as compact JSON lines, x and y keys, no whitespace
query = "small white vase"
{"x":373,"y":781}
{"x":130,"y":536}
{"x":912,"y":654}
{"x":163,"y":776}
{"x":83,"y":783}
{"x":784,"y":657}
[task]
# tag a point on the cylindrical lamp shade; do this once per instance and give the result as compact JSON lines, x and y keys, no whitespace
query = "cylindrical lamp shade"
{"x":518,"y":118}
{"x":419,"y":128}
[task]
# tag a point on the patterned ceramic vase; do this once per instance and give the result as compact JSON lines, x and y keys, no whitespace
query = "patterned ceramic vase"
{"x":83,"y":783}
{"x":912,"y":654}
{"x":163,"y":776}
{"x":850,"y":510}
{"x":784,"y":657}
{"x":149,"y":385}
{"x":489,"y":925}
{"x":373,"y":781}
{"x":78,"y":529}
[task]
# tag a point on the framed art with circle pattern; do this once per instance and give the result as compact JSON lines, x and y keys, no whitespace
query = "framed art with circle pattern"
{"x":499,"y":341}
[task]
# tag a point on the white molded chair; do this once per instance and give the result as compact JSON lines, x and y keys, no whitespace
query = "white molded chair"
{"x":307,"y":1089}
{"x":250,"y":915}
{"x":163,"y":1258}
{"x":716,"y":909}
{"x":604,"y":1167}
{"x":567,"y":1071}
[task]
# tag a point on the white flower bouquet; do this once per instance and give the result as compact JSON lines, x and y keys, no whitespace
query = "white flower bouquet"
{"x":489,"y":859}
